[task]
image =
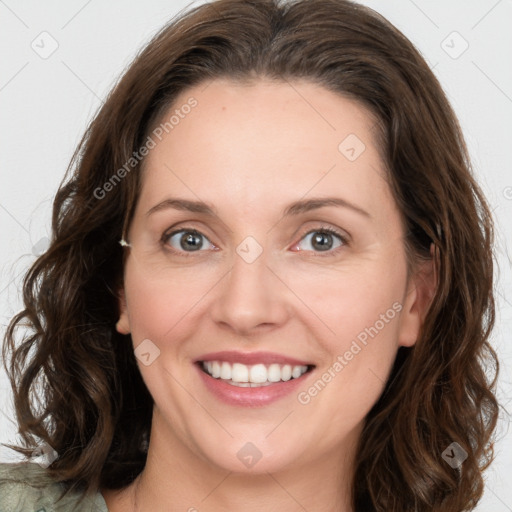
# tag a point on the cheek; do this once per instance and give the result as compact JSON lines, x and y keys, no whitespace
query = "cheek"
{"x":348,"y":386}
{"x":362,"y":311}
{"x":343,"y":304}
{"x":159,"y":304}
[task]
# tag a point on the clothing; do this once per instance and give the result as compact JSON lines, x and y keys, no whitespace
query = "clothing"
{"x":26,"y":487}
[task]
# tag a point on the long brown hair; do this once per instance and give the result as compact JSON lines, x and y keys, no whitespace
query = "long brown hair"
{"x":75,"y":380}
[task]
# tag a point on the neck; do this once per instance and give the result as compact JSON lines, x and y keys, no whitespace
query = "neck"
{"x":176,"y":476}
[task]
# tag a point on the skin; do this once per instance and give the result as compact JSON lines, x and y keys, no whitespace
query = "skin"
{"x":250,"y":150}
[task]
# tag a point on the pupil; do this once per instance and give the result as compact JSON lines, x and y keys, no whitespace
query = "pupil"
{"x":319,"y":241}
{"x":191,"y":241}
{"x":322,"y":241}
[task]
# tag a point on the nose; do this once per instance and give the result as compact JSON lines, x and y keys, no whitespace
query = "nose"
{"x":251,"y":298}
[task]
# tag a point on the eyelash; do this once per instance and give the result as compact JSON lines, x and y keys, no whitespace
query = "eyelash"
{"x":323,"y":229}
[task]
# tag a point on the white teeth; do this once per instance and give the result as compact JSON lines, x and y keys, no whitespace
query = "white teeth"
{"x":258,"y":373}
{"x":274,"y":373}
{"x":215,"y":370}
{"x":241,"y":375}
{"x":286,"y":372}
{"x":296,"y":373}
{"x":225,"y":371}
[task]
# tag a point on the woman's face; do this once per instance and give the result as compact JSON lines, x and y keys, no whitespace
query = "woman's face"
{"x":269,"y":280}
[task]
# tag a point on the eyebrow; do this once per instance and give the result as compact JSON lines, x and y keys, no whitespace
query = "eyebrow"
{"x":307,"y":205}
{"x":185,"y":205}
{"x":295,"y":208}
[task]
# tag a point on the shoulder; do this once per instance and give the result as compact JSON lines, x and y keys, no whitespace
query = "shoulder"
{"x":26,"y":487}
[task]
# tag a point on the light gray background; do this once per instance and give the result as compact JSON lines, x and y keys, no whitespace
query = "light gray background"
{"x":45,"y":104}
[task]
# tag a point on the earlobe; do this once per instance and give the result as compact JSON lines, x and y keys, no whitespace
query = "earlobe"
{"x":123,"y":324}
{"x":420,"y":293}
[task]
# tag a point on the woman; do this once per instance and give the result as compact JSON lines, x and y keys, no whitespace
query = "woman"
{"x":264,"y":287}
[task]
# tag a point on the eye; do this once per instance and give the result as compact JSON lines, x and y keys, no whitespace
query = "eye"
{"x":186,"y":240}
{"x":189,"y":240}
{"x":323,"y":240}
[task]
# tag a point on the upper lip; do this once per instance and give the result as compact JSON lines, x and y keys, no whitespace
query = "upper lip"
{"x":251,"y":358}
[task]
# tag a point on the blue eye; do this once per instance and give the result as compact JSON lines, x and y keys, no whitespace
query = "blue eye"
{"x":189,"y":240}
{"x":323,"y":241}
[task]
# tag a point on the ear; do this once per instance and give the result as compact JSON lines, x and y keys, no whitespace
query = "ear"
{"x":123,"y":324}
{"x":420,"y":292}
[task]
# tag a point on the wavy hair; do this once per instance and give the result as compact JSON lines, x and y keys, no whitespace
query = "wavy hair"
{"x":76,"y":383}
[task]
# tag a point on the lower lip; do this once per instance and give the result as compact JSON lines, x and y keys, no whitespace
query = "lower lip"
{"x":250,"y":397}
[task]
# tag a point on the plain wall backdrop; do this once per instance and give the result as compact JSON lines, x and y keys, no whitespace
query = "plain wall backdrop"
{"x":60,"y":59}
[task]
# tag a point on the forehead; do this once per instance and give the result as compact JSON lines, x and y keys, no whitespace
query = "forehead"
{"x":265,"y":142}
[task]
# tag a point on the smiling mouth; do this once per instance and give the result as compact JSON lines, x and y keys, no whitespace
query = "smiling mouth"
{"x":253,"y":376}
